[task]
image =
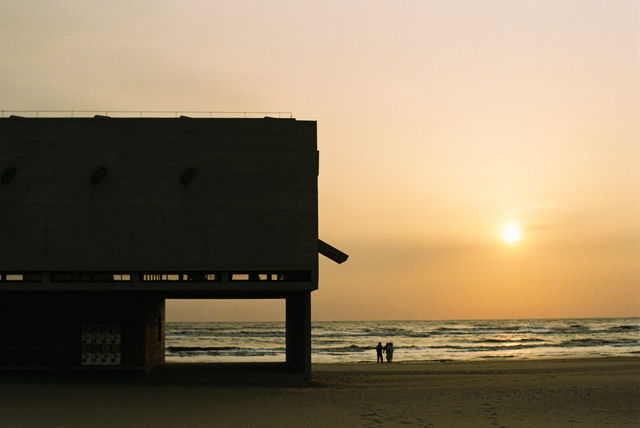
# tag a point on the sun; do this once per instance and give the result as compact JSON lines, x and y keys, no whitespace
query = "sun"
{"x":511,"y":233}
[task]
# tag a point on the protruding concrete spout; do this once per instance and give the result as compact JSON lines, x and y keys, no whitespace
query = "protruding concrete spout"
{"x":331,"y":252}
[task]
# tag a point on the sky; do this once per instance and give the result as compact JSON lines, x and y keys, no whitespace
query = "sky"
{"x":439,"y":122}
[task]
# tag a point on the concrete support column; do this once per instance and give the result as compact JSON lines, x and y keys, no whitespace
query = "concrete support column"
{"x":298,"y":324}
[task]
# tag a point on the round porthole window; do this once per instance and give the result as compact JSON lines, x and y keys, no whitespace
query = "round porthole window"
{"x":188,"y":176}
{"x":98,"y":175}
{"x":7,"y":176}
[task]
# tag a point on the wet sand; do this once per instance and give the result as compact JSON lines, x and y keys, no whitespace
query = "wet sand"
{"x":584,"y":392}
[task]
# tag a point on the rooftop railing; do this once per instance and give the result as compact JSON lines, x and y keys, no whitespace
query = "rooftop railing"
{"x":146,"y":113}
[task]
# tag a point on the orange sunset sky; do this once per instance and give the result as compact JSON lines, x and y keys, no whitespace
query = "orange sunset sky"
{"x":439,"y":122}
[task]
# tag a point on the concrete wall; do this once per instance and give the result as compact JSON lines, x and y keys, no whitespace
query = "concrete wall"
{"x":252,"y":204}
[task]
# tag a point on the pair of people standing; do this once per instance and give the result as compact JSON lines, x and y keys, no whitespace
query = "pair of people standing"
{"x":388,"y":349}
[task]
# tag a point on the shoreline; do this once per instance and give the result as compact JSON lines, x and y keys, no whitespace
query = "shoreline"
{"x":499,"y":360}
{"x":542,"y":392}
{"x":372,"y":360}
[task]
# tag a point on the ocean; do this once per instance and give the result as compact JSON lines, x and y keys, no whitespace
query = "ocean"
{"x":355,"y":341}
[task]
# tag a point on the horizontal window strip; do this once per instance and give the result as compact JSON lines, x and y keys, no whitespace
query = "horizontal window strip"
{"x":102,"y":276}
{"x":20,"y":276}
{"x":157,"y":276}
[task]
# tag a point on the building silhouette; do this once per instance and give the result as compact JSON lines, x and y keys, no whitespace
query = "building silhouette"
{"x":102,"y":219}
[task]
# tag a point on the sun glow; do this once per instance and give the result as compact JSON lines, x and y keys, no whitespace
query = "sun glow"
{"x":511,"y":233}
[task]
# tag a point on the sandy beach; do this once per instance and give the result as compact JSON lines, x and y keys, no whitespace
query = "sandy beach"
{"x":585,"y":392}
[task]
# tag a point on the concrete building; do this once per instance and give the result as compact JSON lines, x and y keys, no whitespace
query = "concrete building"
{"x":102,"y":219}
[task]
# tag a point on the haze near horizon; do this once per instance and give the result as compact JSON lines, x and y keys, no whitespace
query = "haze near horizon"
{"x":477,"y":159}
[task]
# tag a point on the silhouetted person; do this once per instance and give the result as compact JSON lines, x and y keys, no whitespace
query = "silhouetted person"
{"x":379,"y":352}
{"x":388,"y":348}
